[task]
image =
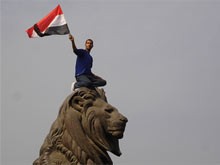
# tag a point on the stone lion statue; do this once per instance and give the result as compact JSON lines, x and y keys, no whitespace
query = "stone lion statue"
{"x":86,"y":127}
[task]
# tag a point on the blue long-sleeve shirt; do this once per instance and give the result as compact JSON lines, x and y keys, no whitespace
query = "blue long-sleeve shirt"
{"x":83,"y":62}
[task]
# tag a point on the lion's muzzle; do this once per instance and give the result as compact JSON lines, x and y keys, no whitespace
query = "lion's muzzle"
{"x":117,"y":127}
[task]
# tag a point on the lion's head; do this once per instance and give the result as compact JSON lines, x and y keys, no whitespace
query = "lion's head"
{"x":87,"y":127}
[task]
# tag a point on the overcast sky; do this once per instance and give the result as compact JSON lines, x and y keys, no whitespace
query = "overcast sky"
{"x":161,"y":60}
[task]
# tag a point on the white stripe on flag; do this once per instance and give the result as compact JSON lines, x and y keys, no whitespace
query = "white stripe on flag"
{"x":59,"y":20}
{"x":34,"y":34}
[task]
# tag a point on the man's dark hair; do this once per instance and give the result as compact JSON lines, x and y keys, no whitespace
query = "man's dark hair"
{"x":89,"y":40}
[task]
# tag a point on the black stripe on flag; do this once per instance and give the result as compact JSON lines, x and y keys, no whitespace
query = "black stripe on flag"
{"x":60,"y":30}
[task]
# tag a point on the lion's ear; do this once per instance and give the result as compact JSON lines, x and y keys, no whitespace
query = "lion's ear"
{"x":77,"y":103}
{"x":101,"y":92}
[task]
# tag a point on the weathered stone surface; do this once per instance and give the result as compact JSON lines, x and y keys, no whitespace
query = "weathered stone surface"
{"x":86,"y":127}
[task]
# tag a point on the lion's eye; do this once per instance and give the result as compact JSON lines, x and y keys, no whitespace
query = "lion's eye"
{"x":109,"y":110}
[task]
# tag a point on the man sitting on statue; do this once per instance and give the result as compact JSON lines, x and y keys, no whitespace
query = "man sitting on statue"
{"x":83,"y":74}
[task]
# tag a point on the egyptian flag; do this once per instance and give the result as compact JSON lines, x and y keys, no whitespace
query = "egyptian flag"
{"x":52,"y":24}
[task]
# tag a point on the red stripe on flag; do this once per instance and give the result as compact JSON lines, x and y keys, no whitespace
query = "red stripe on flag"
{"x":30,"y":31}
{"x":45,"y":22}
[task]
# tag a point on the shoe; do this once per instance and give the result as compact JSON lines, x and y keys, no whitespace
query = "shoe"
{"x":73,"y":86}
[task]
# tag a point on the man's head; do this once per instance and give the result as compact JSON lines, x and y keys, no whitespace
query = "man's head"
{"x":89,"y":44}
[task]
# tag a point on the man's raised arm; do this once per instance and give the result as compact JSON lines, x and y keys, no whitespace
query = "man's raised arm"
{"x":71,"y":38}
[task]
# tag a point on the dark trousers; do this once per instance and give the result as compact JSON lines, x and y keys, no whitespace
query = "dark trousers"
{"x":89,"y":81}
